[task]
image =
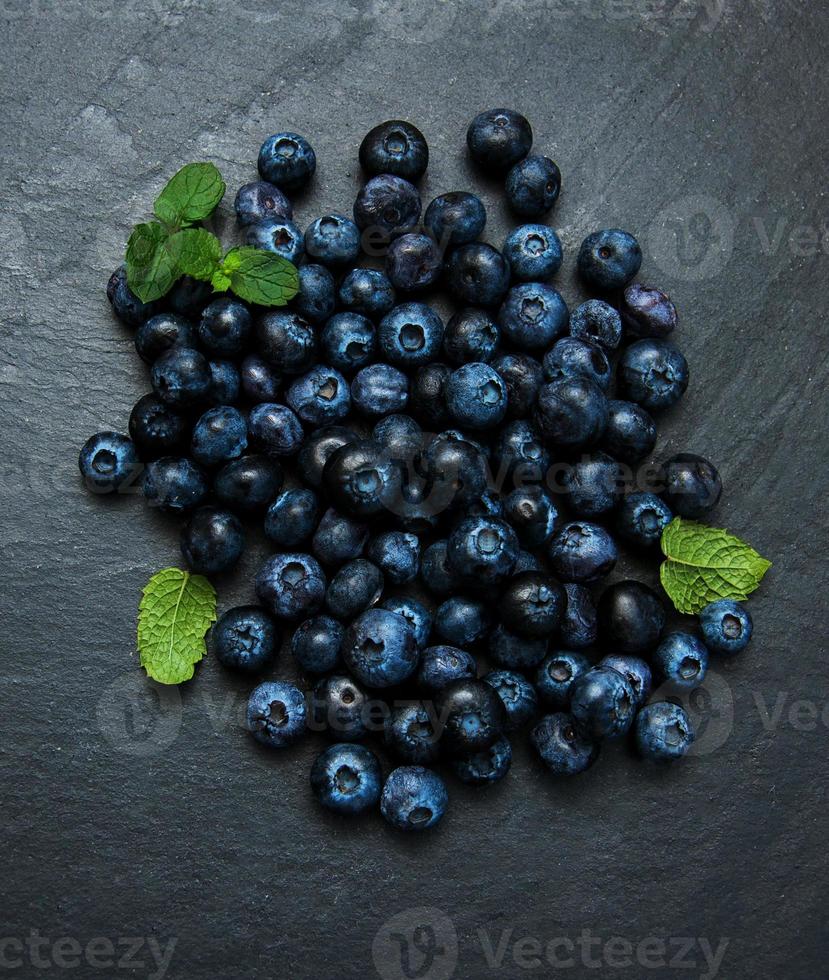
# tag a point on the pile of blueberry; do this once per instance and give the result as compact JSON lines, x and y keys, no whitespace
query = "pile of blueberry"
{"x":390,"y":457}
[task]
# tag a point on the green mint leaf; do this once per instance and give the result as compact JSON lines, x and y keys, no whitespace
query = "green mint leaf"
{"x":190,"y":195}
{"x":196,"y":252}
{"x":175,"y":613}
{"x":220,"y":281}
{"x":257,"y":276}
{"x":707,"y":563}
{"x":151,"y":270}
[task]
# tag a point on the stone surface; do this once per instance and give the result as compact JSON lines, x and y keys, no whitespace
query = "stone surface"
{"x":134,"y":811}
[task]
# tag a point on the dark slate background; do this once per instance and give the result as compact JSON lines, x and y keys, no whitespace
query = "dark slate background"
{"x":129,"y":811}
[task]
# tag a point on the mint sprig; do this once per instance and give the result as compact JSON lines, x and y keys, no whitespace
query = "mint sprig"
{"x":191,"y":195}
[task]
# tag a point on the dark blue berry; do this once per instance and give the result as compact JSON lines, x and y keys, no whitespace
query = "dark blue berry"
{"x":410,"y":335}
{"x":641,"y":519}
{"x":596,"y":322}
{"x":212,"y":541}
{"x":248,"y":484}
{"x":476,"y":396}
{"x":359,"y":477}
{"x":174,"y":485}
{"x":225,"y":383}
{"x":413,"y":798}
{"x":316,"y":450}
{"x":161,"y":333}
{"x":532,"y":604}
{"x":593,"y":485}
{"x":316,"y":644}
{"x":108,"y":461}
{"x":395,"y":147}
{"x":533,"y":515}
{"x":259,"y":200}
{"x":653,"y":374}
{"x":317,"y":294}
{"x":498,"y":138}
{"x":517,"y":694}
{"x":380,"y":389}
{"x":181,"y":377}
{"x":276,"y":714}
{"x":630,"y":433}
{"x":367,"y":291}
{"x":428,"y":394}
{"x":456,"y":218}
{"x":726,"y":626}
{"x":482,"y":550}
{"x":287,"y":160}
{"x":415,"y":613}
{"x":477,"y":274}
{"x":292,"y":518}
{"x":225,"y":327}
{"x":340,"y":708}
{"x":579,"y":623}
{"x":441,"y":665}
{"x":533,"y":186}
{"x":520,"y":456}
{"x":582,"y":552}
{"x":291,"y":585}
{"x":379,"y":648}
{"x":219,"y":435}
{"x":338,"y":538}
{"x":156,"y":429}
{"x":470,"y":335}
{"x":387,"y":206}
{"x":523,"y":377}
{"x":435,"y":571}
{"x":414,"y":262}
{"x":681,"y":661}
{"x":347,"y":778}
{"x":571,"y":413}
{"x":515,"y":652}
{"x":320,"y":397}
{"x":275,"y":429}
{"x":245,"y":638}
{"x":572,"y":358}
{"x":409,"y":733}
{"x":556,"y":675}
{"x":663,"y":732}
{"x":189,"y":296}
{"x":473,"y":716}
{"x":637,"y":672}
{"x":397,"y":554}
{"x":125,"y":304}
{"x":631,"y":617}
{"x":355,"y":587}
{"x":279,"y":236}
{"x":486,"y":766}
{"x":647,"y":312}
{"x":260,"y":382}
{"x":533,"y":252}
{"x":332,"y":240}
{"x":691,"y":485}
{"x":563,"y":747}
{"x":348,"y":342}
{"x":603,"y":703}
{"x":532,"y":316}
{"x":460,"y":621}
{"x":609,"y":259}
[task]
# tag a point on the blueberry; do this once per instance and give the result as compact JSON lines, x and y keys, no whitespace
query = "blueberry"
{"x":333,"y":239}
{"x":609,"y":259}
{"x":358,"y":478}
{"x":347,"y":778}
{"x":630,"y":433}
{"x":482,"y":550}
{"x":631,"y":617}
{"x":515,"y":652}
{"x":460,"y":621}
{"x":435,"y":571}
{"x":637,"y":672}
{"x":317,"y":294}
{"x":275,"y":429}
{"x":174,"y":485}
{"x":441,"y":665}
{"x":681,"y":661}
{"x":477,"y":274}
{"x":473,"y":716}
{"x":248,"y":484}
{"x":517,"y":694}
{"x":663,"y":732}
{"x":572,"y":358}
{"x":413,"y":798}
{"x":653,"y":374}
{"x":571,"y":413}
{"x":532,"y":316}
{"x":692,"y":485}
{"x":456,"y":218}
{"x":487,"y":766}
{"x":348,"y":342}
{"x":259,"y":200}
{"x":287,"y":160}
{"x":189,"y":296}
{"x":212,"y":541}
{"x":499,"y":138}
{"x":429,"y":394}
{"x":125,"y":304}
{"x":316,"y":642}
{"x":379,"y":648}
{"x":387,"y":206}
{"x":219,"y":435}
{"x":593,"y":485}
{"x":520,"y":455}
{"x":470,"y":335}
{"x":395,"y":147}
{"x":557,"y":673}
{"x":291,"y":585}
{"x":108,"y":461}
{"x":582,"y":552}
{"x":161,"y":333}
{"x":225,"y":383}
{"x":367,"y":291}
{"x":603,"y":702}
{"x":564,"y":749}
{"x":276,"y":714}
{"x":647,"y":312}
{"x":533,"y":515}
{"x":410,"y":335}
{"x":380,"y":389}
{"x":413,"y":262}
{"x":401,"y":436}
{"x":397,"y":554}
{"x":292,"y":518}
{"x":596,"y":322}
{"x":181,"y":377}
{"x":579,"y":623}
{"x":533,"y":186}
{"x":338,"y":538}
{"x":260,"y":382}
{"x":156,"y":429}
{"x":355,"y":587}
{"x":642,"y":518}
{"x":225,"y":327}
{"x":316,"y":450}
{"x":320,"y":397}
{"x":531,"y":605}
{"x":409,"y":733}
{"x":726,"y":626}
{"x":522,"y":375}
{"x":455,"y":471}
{"x":245,"y":638}
{"x":527,"y":562}
{"x":533,"y":252}
{"x":416,"y":615}
{"x":476,"y":396}
{"x":340,"y":708}
{"x":279,"y":236}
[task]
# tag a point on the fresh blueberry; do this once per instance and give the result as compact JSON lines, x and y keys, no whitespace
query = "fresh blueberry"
{"x":487,"y":766}
{"x":275,"y":429}
{"x":582,"y":552}
{"x":347,"y":778}
{"x":579,"y":623}
{"x":533,"y":186}
{"x":379,"y":648}
{"x":367,"y":291}
{"x":571,"y":413}
{"x":320,"y":397}
{"x":416,"y":615}
{"x":498,"y":139}
{"x":441,"y":665}
{"x":248,"y":484}
{"x":603,"y":702}
{"x":397,"y":554}
{"x":317,"y":294}
{"x":456,"y":218}
{"x":219,"y":435}
{"x":470,"y":335}
{"x":482,"y":550}
{"x":557,"y":673}
{"x":455,"y":471}
{"x":108,"y":461}
{"x":125,"y":304}
{"x":316,"y":644}
{"x":631,"y":617}
{"x":225,"y":327}
{"x":212,"y":541}
{"x":317,"y":448}
{"x":630,"y":433}
{"x":593,"y":485}
{"x":532,"y":316}
{"x":413,"y":262}
{"x":647,"y":312}
{"x":681,"y":661}
{"x":409,"y":733}
{"x":533,"y":515}
{"x":225,"y":383}
{"x":413,"y":798}
{"x":181,"y":377}
{"x":291,"y":585}
{"x":156,"y":429}
{"x":596,"y":322}
{"x":276,"y":714}
{"x":260,"y":382}
{"x":642,"y":518}
{"x":401,"y":436}
{"x":572,"y":358}
{"x":380,"y":389}
{"x":520,"y":456}
{"x":348,"y":342}
{"x":333,"y":240}
{"x":515,"y":652}
{"x":692,"y":485}
{"x":523,"y":377}
{"x":726,"y":626}
{"x":460,"y":621}
{"x":476,"y":396}
{"x":533,"y":252}
{"x":292,"y":518}
{"x":359,"y":477}
{"x":174,"y":485}
{"x":609,"y":259}
{"x":161,"y":333}
{"x":395,"y":147}
{"x":473,"y":716}
{"x":355,"y":587}
{"x":435,"y":571}
{"x":663,"y":732}
{"x":279,"y":236}
{"x":429,"y":394}
{"x":189,"y":296}
{"x":518,"y":695}
{"x":531,"y":605}
{"x":287,"y":160}
{"x":338,"y":539}
{"x":260,"y":200}
{"x":653,"y":374}
{"x":340,"y":708}
{"x":637,"y":672}
{"x":410,"y":335}
{"x":387,"y":206}
{"x":564,"y":749}
{"x":245,"y":638}
{"x":477,"y":274}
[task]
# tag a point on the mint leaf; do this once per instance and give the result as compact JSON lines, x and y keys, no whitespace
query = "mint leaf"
{"x":707,"y":563}
{"x":260,"y":277}
{"x":195,"y":251}
{"x":190,"y":195}
{"x":175,"y":613}
{"x":151,"y":270}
